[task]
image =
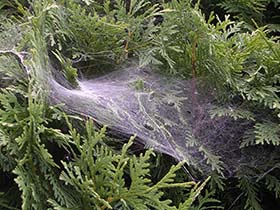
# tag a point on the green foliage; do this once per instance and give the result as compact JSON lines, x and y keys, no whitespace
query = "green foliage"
{"x":251,"y":193}
{"x":217,"y":182}
{"x":107,"y":32}
{"x":213,"y":160}
{"x":262,"y":133}
{"x":273,"y":184}
{"x":254,"y":10}
{"x":235,"y":113}
{"x":98,"y":176}
{"x":264,"y":12}
{"x":206,"y":202}
{"x":139,"y":85}
{"x":95,"y":178}
{"x":267,"y":133}
{"x":245,"y":10}
{"x":90,"y":35}
{"x":91,"y":175}
{"x":69,"y":71}
{"x":219,"y":53}
{"x":23,"y":125}
{"x":193,"y":195}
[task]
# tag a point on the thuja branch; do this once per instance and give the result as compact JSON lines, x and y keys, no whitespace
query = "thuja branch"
{"x":19,"y":56}
{"x":126,"y":45}
{"x":194,"y":45}
{"x":193,"y":61}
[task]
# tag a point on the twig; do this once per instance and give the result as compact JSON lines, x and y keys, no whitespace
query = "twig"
{"x":234,"y":202}
{"x":193,"y":60}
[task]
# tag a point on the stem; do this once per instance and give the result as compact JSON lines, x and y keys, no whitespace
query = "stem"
{"x":194,"y":98}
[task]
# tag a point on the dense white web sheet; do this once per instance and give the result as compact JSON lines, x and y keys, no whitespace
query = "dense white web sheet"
{"x":163,"y":114}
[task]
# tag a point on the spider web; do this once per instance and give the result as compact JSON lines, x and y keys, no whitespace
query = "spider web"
{"x":166,"y":114}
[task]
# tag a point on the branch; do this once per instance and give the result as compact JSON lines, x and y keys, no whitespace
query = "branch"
{"x":19,"y":56}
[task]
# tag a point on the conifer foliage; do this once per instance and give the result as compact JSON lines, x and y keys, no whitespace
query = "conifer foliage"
{"x":53,"y":160}
{"x":89,"y":174}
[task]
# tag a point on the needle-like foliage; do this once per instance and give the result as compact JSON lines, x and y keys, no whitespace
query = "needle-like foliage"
{"x":51,"y":160}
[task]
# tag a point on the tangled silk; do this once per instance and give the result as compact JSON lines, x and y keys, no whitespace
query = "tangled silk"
{"x":165,"y":113}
